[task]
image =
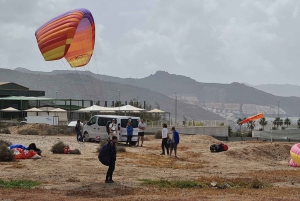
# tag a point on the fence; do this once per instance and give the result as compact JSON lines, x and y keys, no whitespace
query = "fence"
{"x":191,"y":123}
{"x":293,"y":134}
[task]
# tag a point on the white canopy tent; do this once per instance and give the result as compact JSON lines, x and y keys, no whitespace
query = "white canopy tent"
{"x":158,"y":111}
{"x":97,"y":108}
{"x":10,"y":109}
{"x":34,"y":109}
{"x":129,"y":108}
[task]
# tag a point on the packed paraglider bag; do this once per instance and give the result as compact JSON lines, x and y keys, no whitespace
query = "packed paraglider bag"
{"x":218,"y":147}
{"x":104,"y":155}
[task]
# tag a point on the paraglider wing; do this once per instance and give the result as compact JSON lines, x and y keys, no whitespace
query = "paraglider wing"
{"x":258,"y":116}
{"x":70,"y":35}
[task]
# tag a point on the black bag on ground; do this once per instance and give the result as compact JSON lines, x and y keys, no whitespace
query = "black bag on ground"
{"x":104,"y":155}
{"x":33,"y":147}
{"x":216,"y":148}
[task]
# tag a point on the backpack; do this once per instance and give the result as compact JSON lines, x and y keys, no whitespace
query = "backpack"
{"x":104,"y":155}
{"x":218,"y":147}
{"x":76,"y":127}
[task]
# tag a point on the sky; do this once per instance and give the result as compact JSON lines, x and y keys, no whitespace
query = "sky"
{"x":214,"y":41}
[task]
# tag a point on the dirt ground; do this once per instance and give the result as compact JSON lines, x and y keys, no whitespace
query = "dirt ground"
{"x":81,"y":177}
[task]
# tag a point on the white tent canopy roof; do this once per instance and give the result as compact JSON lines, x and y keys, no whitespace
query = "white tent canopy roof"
{"x":58,"y":110}
{"x":34,"y":109}
{"x":10,"y":109}
{"x":96,"y":108}
{"x":156,"y":111}
{"x":129,"y":108}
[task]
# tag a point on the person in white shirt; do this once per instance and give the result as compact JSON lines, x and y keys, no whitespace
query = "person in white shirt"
{"x":141,"y":133}
{"x":164,"y":142}
{"x":113,"y":129}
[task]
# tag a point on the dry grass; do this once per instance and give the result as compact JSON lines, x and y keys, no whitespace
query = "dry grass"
{"x":28,"y":131}
{"x":58,"y":148}
{"x":157,"y":161}
{"x":72,"y":179}
{"x":5,"y":131}
{"x":16,"y":166}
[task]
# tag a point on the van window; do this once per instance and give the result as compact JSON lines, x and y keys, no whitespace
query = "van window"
{"x":102,"y":121}
{"x":93,"y":121}
{"x":134,"y":123}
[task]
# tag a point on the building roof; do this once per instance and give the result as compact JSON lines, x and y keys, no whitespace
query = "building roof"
{"x":25,"y":98}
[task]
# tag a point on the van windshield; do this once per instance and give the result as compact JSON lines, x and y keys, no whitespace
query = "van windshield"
{"x":134,"y":123}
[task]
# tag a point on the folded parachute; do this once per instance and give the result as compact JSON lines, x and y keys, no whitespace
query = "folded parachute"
{"x":70,"y":35}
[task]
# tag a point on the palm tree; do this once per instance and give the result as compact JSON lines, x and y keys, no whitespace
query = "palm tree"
{"x":298,"y":123}
{"x":238,"y":123}
{"x":280,"y":122}
{"x":251,"y":125}
{"x":276,"y":122}
{"x":287,"y":122}
{"x":263,"y":122}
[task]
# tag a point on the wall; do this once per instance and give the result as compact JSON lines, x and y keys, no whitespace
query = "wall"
{"x":204,"y":130}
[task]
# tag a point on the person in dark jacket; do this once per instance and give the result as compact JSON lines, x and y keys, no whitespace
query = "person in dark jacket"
{"x":175,"y":141}
{"x":113,"y":156}
{"x":129,"y":133}
{"x":78,"y":129}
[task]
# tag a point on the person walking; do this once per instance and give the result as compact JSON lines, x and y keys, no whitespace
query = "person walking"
{"x":175,"y":142}
{"x":78,"y":129}
{"x":113,"y":129}
{"x":129,"y":133}
{"x":141,"y":133}
{"x":112,"y":150}
{"x":164,"y":142}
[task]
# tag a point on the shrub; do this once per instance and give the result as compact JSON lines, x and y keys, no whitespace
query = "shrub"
{"x":76,"y":151}
{"x":158,"y":135}
{"x":261,"y":129}
{"x":5,"y":131}
{"x":6,"y":154}
{"x":282,"y":128}
{"x":6,"y":143}
{"x":28,"y":131}
{"x":274,"y":128}
{"x":121,"y":149}
{"x":58,"y":148}
{"x":172,"y":184}
{"x":55,"y":130}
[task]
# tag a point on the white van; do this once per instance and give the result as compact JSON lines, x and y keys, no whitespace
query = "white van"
{"x":96,"y":126}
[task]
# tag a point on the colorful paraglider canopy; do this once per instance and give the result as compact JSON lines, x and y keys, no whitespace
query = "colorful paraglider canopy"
{"x":258,"y":116}
{"x":70,"y":35}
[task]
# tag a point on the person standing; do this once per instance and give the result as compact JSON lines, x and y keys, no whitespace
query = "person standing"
{"x":112,"y":150}
{"x":175,"y":142}
{"x":78,"y":129}
{"x":113,"y":129}
{"x":141,"y":133}
{"x":164,"y":142}
{"x":129,"y":133}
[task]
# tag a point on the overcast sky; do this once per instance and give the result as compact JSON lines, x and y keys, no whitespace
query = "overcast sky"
{"x":252,"y":41}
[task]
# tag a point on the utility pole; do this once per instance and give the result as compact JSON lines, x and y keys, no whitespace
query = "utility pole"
{"x":55,"y":98}
{"x":175,"y":107}
{"x":119,"y":101}
{"x":278,"y":109}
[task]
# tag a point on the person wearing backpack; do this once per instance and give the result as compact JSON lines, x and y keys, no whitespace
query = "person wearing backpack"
{"x":78,"y":129}
{"x":129,"y":133}
{"x":175,"y":142}
{"x":112,"y":151}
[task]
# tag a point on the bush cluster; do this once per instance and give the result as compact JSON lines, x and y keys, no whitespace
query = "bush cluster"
{"x":158,"y":135}
{"x":58,"y":148}
{"x":5,"y":153}
{"x":28,"y":131}
{"x":5,"y":131}
{"x":119,"y":148}
{"x":65,"y":130}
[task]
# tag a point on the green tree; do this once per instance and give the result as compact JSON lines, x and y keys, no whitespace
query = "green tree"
{"x":117,"y":104}
{"x":238,"y":122}
{"x":276,"y":122}
{"x":287,"y":122}
{"x":251,"y":125}
{"x":298,"y":123}
{"x":263,"y":122}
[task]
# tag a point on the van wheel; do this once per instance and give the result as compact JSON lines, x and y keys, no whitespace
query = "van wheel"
{"x":132,"y":143}
{"x":86,"y":137}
